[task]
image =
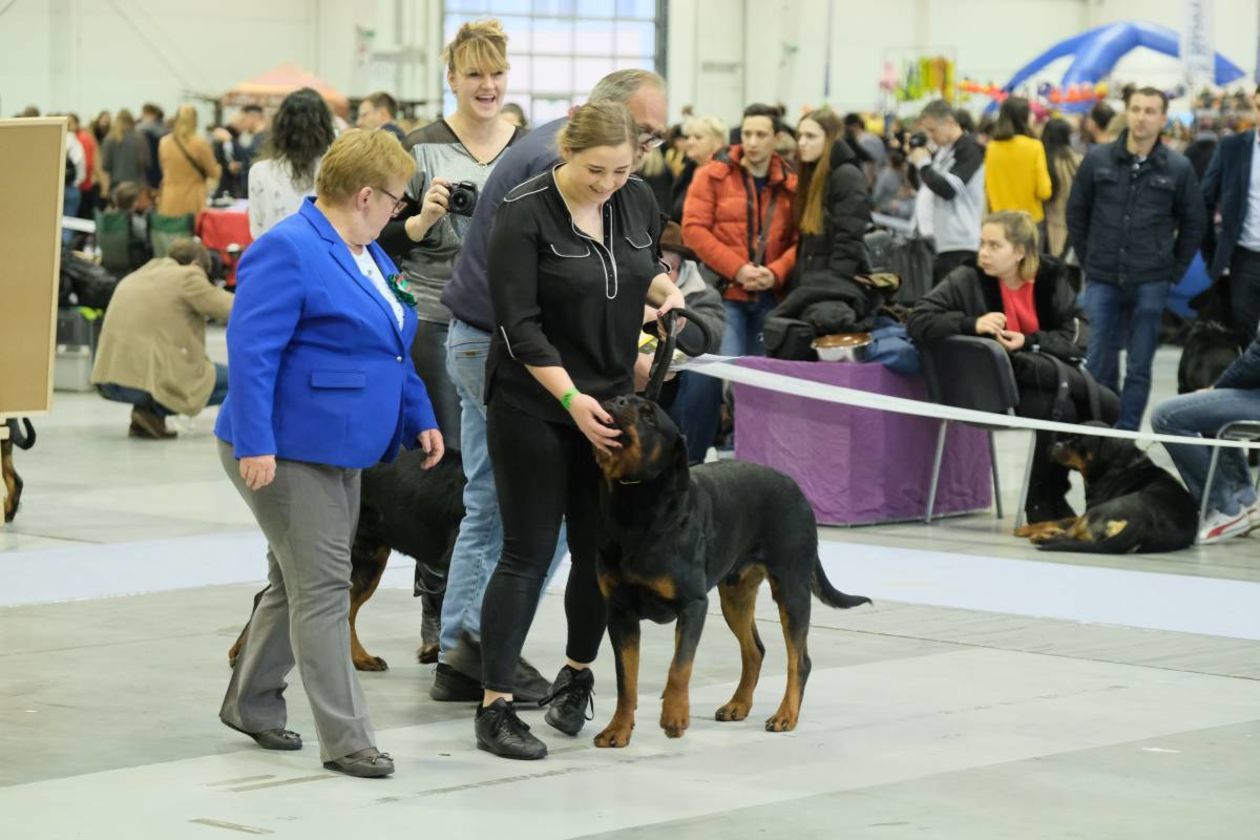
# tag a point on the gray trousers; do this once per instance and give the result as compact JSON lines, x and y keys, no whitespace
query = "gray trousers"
{"x":308,"y":515}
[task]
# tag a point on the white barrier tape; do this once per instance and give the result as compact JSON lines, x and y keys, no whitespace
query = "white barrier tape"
{"x":722,"y":367}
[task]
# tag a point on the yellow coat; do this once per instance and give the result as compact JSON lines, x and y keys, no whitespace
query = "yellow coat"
{"x":154,"y":335}
{"x":1016,"y":176}
{"x":184,"y":189}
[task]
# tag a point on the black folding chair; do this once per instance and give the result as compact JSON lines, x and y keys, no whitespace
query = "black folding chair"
{"x":1238,"y":430}
{"x":972,"y":372}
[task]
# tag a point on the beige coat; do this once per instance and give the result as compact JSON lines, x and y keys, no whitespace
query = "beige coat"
{"x":1056,"y":211}
{"x":184,"y":189}
{"x":154,"y":336}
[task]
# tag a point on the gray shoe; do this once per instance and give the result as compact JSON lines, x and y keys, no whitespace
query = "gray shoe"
{"x":272,"y":739}
{"x":368,"y":763}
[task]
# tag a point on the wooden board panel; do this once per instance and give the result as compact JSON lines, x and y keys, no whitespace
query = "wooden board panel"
{"x":32,"y":179}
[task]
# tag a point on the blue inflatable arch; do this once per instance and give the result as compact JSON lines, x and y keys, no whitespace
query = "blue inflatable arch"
{"x":1097,"y":51}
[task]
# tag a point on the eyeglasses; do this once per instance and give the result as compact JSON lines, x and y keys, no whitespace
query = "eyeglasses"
{"x":649,"y":139}
{"x":399,"y":203}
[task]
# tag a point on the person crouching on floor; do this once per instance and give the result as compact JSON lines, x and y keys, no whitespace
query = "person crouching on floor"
{"x":1024,"y":303}
{"x":152,"y":350}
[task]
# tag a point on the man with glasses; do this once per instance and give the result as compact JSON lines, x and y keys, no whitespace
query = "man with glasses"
{"x":467,"y":295}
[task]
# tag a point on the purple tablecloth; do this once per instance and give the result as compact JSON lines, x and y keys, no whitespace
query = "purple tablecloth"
{"x":859,"y":466}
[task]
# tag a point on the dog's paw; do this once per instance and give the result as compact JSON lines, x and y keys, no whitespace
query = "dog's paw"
{"x":367,"y":662}
{"x":615,"y":735}
{"x":427,"y":654}
{"x":675,"y":720}
{"x":734,"y":710}
{"x":781,"y":722}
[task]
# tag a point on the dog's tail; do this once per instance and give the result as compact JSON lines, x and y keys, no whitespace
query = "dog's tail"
{"x":20,"y":440}
{"x":1122,"y":543}
{"x":828,"y":594}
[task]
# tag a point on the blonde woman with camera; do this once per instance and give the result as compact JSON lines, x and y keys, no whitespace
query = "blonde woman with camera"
{"x":454,"y":156}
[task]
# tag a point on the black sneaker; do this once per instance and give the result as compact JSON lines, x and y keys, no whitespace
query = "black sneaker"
{"x":571,"y":700}
{"x":501,"y":732}
{"x":451,"y":686}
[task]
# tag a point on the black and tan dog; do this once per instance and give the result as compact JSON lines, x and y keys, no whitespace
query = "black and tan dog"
{"x":21,"y":436}
{"x":1130,"y":503}
{"x":672,"y":534}
{"x":415,"y":512}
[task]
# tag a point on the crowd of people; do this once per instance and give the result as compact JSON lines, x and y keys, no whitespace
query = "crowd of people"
{"x":479,"y":285}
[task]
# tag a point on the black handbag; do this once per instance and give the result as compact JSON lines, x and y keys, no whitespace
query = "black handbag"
{"x":789,"y":338}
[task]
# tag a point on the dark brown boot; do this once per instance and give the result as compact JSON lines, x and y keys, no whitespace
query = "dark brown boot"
{"x":146,"y":424}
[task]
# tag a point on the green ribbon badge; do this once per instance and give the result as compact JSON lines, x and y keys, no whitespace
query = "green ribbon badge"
{"x":401,"y":289}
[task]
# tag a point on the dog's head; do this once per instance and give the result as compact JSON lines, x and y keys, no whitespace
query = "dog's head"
{"x":1093,"y":456}
{"x":650,"y":442}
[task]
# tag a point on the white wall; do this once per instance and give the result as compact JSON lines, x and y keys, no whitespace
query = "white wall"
{"x":786,"y":44}
{"x":86,"y":55}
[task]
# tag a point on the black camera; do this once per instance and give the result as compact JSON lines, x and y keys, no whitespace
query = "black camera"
{"x":918,"y":140}
{"x":463,"y":199}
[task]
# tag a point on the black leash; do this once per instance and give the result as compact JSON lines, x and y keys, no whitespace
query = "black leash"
{"x":665,"y":347}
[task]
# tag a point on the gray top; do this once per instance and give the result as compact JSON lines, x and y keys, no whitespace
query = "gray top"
{"x":427,"y":264}
{"x":125,"y":159}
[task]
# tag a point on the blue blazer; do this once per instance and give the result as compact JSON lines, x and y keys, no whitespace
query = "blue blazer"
{"x":319,"y":370}
{"x":1226,"y":183}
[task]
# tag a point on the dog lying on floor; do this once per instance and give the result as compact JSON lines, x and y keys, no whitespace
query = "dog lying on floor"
{"x":415,"y":512}
{"x":1131,"y":505}
{"x":21,"y":436}
{"x":672,"y":534}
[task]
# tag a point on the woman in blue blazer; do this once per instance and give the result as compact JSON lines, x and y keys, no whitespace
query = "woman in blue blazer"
{"x":320,"y":386}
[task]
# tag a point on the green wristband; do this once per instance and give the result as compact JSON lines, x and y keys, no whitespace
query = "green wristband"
{"x":567,"y":399}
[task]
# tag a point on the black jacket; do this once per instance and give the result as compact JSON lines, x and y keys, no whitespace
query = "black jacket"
{"x":681,"y":184}
{"x":1245,"y":371}
{"x":1225,"y":185}
{"x":1135,"y":223}
{"x":967,"y":293}
{"x":837,"y":250}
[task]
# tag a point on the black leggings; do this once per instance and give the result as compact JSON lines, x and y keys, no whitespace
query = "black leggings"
{"x":544,"y":472}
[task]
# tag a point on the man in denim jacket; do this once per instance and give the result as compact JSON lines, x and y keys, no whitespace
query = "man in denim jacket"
{"x":1135,"y":218}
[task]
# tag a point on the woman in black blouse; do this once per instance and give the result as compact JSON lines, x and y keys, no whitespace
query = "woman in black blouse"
{"x":573,"y":258}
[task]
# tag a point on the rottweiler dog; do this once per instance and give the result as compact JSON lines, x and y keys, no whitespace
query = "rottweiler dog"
{"x":672,"y":534}
{"x":415,"y":512}
{"x":21,"y":436}
{"x":1131,"y":505}
{"x":1210,"y":348}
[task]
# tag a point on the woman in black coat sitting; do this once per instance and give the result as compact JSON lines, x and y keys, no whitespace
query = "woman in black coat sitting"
{"x":1024,"y":303}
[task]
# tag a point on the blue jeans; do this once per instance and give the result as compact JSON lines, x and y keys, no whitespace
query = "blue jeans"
{"x":697,"y":409}
{"x":144,"y":400}
{"x":1202,"y":414}
{"x":744,"y":323}
{"x":480,"y":541}
{"x":70,"y":207}
{"x":1109,"y":308}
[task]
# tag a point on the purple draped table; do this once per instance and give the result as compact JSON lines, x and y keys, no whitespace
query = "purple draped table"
{"x":859,"y":466}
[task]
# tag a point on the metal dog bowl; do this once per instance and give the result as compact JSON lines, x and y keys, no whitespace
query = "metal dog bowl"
{"x":844,"y":347}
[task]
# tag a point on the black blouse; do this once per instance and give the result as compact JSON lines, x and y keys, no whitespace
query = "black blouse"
{"x":563,"y":298}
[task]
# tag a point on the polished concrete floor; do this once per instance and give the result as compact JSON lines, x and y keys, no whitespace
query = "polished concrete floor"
{"x":991,"y":692}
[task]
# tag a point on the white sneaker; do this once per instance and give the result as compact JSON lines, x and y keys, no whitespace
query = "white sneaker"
{"x":1220,"y":526}
{"x":1253,"y":514}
